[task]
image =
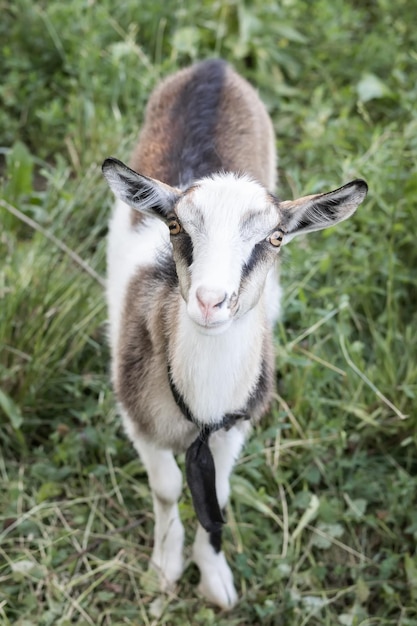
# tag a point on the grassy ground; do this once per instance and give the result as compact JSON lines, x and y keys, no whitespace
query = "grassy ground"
{"x":323,"y":524}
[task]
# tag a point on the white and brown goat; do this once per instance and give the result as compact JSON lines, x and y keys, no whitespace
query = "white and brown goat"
{"x":193,"y":295}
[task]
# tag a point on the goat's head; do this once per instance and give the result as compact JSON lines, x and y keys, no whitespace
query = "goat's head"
{"x":226,"y":231}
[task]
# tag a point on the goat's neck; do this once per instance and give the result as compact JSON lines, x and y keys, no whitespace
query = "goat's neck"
{"x":215,"y":373}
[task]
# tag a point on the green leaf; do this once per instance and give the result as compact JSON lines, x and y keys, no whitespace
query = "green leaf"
{"x":362,"y":590}
{"x":49,"y":490}
{"x":333,"y":531}
{"x":186,"y":40}
{"x":11,"y":409}
{"x":308,"y":515}
{"x":19,"y":171}
{"x":370,"y":87}
{"x":357,"y":507}
{"x":291,"y":34}
{"x":410,"y":566}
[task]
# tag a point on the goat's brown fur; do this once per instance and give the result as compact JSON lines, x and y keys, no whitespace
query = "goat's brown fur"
{"x":243,"y":137}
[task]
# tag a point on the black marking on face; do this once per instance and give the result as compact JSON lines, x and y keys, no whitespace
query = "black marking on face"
{"x":197,"y":112}
{"x":183,"y":247}
{"x":258,"y":255}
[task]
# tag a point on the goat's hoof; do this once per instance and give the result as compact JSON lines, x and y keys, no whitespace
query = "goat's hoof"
{"x":168,"y":575}
{"x":217,"y":586}
{"x":166,"y":567}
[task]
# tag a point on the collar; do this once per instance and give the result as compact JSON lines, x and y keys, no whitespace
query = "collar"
{"x":199,"y":462}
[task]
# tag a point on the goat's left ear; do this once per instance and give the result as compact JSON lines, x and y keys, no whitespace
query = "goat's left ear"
{"x":322,"y":210}
{"x":139,"y":191}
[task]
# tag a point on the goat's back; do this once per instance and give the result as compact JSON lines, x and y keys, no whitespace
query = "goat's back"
{"x":204,"y":119}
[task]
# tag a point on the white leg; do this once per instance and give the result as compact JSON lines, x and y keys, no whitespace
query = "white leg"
{"x":165,"y":480}
{"x":216,"y":582}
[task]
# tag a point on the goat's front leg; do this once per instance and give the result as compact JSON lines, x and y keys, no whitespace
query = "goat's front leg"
{"x":216,"y":582}
{"x":165,"y":480}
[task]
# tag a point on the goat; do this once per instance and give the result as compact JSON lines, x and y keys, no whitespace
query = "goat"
{"x":193,"y":294}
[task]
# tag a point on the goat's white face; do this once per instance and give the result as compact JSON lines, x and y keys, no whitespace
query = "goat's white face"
{"x":226,"y":231}
{"x":220,"y":240}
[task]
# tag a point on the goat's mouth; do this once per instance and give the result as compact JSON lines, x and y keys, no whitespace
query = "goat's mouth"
{"x":208,"y":327}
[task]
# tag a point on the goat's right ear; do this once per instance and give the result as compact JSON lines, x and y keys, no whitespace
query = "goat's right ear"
{"x":321,"y":210}
{"x":138,"y":191}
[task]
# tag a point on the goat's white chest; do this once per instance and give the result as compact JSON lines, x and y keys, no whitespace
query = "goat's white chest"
{"x":215,"y":374}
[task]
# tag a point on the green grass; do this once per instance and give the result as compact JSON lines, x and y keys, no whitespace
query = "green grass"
{"x":323,"y":520}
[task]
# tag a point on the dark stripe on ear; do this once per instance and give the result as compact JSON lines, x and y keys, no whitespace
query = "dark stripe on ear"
{"x":327,"y":208}
{"x":197,"y":109}
{"x":323,"y":210}
{"x":330,"y":207}
{"x":144,"y":195}
{"x":300,"y":226}
{"x":140,"y":192}
{"x":113,"y":170}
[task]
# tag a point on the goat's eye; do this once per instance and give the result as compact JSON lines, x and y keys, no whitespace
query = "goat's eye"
{"x":276,"y":238}
{"x":174,"y":226}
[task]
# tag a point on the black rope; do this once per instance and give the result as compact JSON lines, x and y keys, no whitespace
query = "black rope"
{"x":199,"y":463}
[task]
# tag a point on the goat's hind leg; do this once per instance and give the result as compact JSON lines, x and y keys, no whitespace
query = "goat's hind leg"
{"x":165,"y":481}
{"x":216,"y":582}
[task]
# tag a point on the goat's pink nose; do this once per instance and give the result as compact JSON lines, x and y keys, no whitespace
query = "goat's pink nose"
{"x":209,"y":299}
